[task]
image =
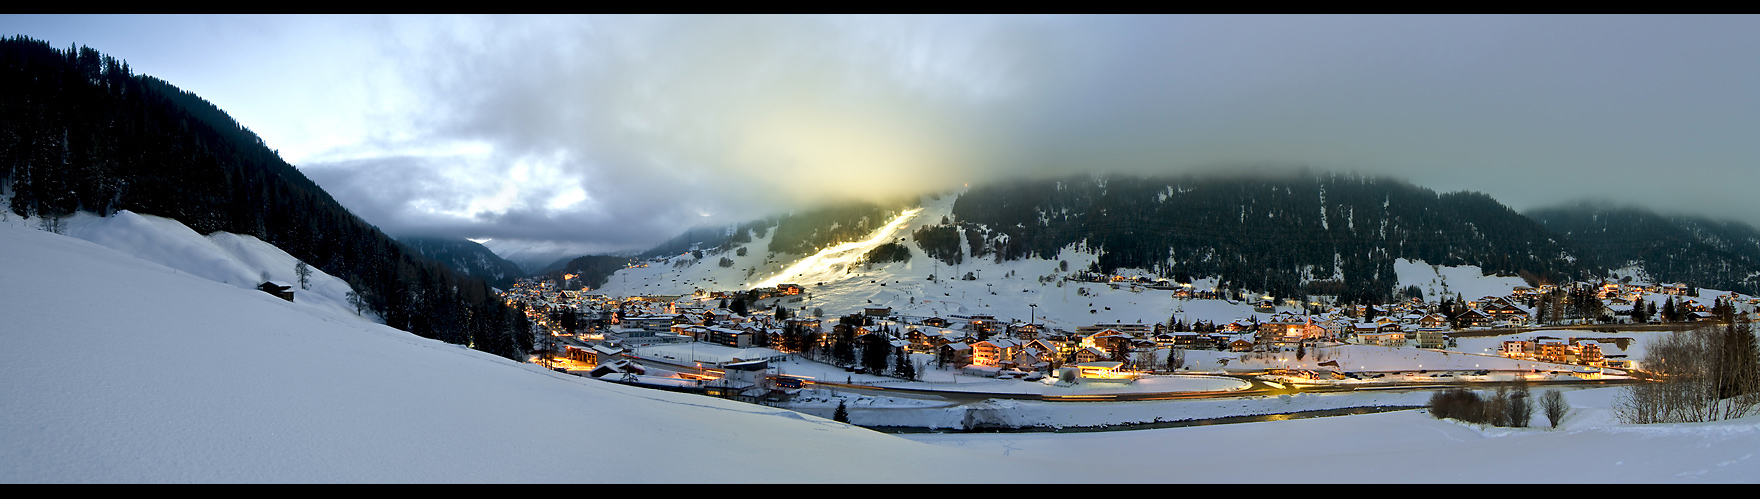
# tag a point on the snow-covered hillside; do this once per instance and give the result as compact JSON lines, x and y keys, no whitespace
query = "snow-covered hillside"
{"x":222,"y":257}
{"x":1019,"y":289}
{"x":117,"y":369}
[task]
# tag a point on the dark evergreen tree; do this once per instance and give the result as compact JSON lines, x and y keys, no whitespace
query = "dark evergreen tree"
{"x":876,"y":347}
{"x":902,"y":366}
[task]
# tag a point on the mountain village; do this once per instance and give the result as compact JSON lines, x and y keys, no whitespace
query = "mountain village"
{"x":734,"y":344}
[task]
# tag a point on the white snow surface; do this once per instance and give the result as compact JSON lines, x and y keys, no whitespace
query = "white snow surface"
{"x":221,"y":257}
{"x":1468,"y":281}
{"x":118,"y":369}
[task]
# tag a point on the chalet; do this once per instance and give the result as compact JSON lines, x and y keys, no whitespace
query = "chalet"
{"x":1211,"y":341}
{"x":877,"y":311}
{"x":1360,"y":329}
{"x":923,"y":339}
{"x":1389,"y":326}
{"x":954,"y":354}
{"x":994,"y":352}
{"x":1050,"y":345}
{"x":1114,"y":342}
{"x":1024,"y":332}
{"x":1163,"y":340}
{"x":282,"y":292}
{"x":983,"y":324}
{"x":1033,"y":358}
{"x":620,"y":366}
{"x":1474,"y":318}
{"x":1291,"y":331}
{"x":1091,"y":354}
{"x":1240,"y":346}
{"x":1433,"y":321}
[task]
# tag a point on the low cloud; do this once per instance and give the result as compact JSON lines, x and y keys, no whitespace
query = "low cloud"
{"x":623,"y":131}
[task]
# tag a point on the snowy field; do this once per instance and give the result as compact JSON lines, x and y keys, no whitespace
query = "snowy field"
{"x":119,"y":369}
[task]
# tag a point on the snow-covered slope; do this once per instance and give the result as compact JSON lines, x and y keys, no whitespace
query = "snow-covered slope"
{"x":222,"y":257}
{"x":1467,"y":281}
{"x":117,"y":369}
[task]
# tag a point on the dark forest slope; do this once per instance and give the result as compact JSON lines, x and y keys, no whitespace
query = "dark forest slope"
{"x":80,"y":131}
{"x":1289,"y":235}
{"x":1695,"y":250}
{"x":467,"y":257}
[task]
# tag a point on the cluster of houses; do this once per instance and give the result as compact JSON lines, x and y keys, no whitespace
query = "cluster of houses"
{"x":985,"y":342}
{"x":1584,"y":351}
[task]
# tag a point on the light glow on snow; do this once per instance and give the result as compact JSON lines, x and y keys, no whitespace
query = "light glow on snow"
{"x":836,"y":260}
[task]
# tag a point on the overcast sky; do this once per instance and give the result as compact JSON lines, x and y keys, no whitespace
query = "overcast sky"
{"x":615,"y":133}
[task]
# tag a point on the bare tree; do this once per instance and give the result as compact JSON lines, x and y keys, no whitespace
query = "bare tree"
{"x":305,"y":274}
{"x":1553,"y":405}
{"x":355,"y":300}
{"x":1520,"y":409}
{"x":1702,"y":375}
{"x":1145,"y":360}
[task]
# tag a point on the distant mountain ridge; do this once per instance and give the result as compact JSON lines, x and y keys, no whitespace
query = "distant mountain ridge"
{"x":1295,"y":234}
{"x":1286,"y":234}
{"x":468,"y":257}
{"x":1671,"y":248}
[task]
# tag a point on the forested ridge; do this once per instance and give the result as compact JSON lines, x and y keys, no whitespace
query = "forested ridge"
{"x":79,"y":131}
{"x":1685,"y":249}
{"x":1289,"y":235}
{"x":468,"y":257}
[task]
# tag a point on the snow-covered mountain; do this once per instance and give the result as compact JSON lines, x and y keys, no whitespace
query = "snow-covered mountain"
{"x":839,"y":281}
